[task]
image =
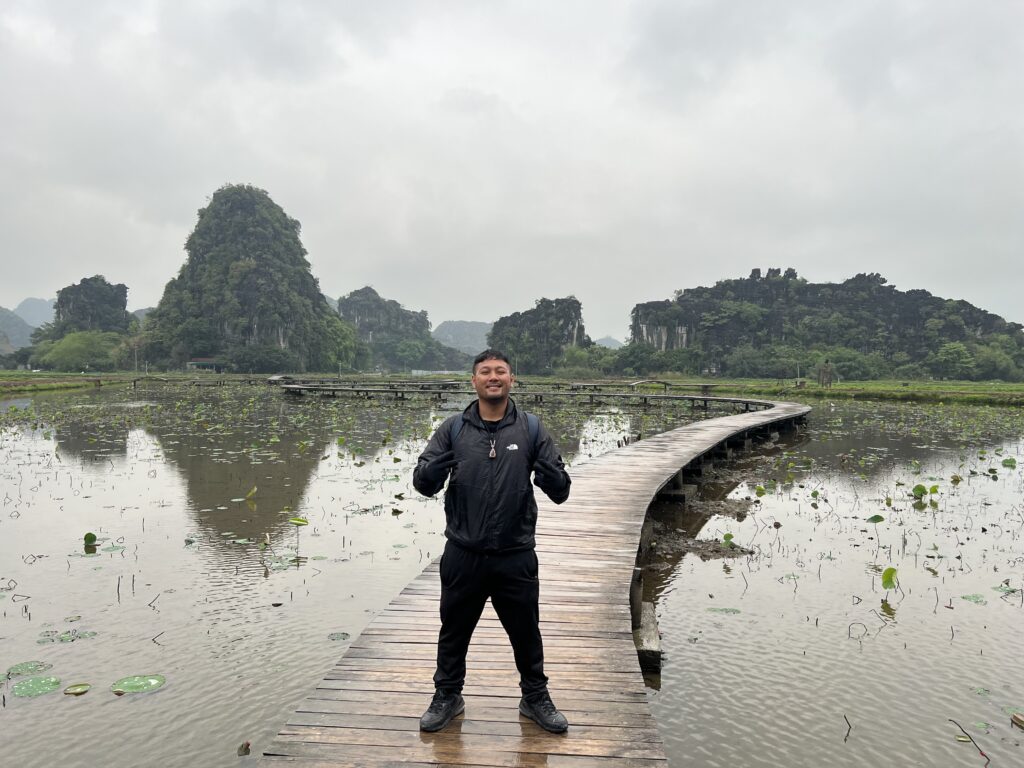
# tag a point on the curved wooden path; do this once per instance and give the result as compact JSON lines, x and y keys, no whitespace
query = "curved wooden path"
{"x":365,"y":712}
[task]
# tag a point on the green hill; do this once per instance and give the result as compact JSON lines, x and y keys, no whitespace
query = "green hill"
{"x":538,"y":338}
{"x":779,"y":324}
{"x":246,"y":295}
{"x":394,"y":337}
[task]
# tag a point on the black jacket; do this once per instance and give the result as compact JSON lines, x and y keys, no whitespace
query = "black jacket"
{"x":489,"y":505}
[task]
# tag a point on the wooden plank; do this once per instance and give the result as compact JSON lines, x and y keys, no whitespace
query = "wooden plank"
{"x":365,"y":712}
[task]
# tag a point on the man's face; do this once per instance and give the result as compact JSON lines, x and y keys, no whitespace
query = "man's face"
{"x":492,"y":380}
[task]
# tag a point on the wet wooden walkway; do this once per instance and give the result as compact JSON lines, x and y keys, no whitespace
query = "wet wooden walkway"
{"x":365,"y":712}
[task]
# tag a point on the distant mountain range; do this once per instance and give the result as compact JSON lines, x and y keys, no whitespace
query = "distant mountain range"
{"x":608,"y":341}
{"x":466,"y":336}
{"x":36,"y":312}
{"x":14,"y":329}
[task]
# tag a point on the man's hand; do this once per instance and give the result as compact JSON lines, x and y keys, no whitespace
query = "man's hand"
{"x":435,"y":471}
{"x":549,"y":478}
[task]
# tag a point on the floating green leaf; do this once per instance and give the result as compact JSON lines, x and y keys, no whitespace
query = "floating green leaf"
{"x":89,"y":538}
{"x":35,"y":686}
{"x":138,"y":684}
{"x":876,"y":519}
{"x":975,"y":598}
{"x":1010,"y":463}
{"x":889,"y":578}
{"x":919,"y":491}
{"x":251,"y":493}
{"x":77,"y":689}
{"x":728,"y":611}
{"x":28,"y":668}
{"x":298,"y":521}
{"x":338,"y":636}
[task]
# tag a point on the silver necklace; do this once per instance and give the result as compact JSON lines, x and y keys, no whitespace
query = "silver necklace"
{"x":492,"y":454}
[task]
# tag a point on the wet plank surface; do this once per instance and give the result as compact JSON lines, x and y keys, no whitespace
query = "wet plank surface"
{"x":366,"y":711}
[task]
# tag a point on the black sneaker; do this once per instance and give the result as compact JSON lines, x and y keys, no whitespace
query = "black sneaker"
{"x":445,"y":706}
{"x":542,"y":711}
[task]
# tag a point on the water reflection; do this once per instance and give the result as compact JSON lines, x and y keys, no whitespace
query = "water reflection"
{"x":188,"y":591}
{"x":816,"y":629}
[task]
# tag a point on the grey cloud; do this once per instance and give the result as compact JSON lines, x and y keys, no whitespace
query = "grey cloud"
{"x":614,"y":152}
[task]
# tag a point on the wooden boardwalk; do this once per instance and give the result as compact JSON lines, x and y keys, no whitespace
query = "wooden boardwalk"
{"x":365,"y":713}
{"x":591,"y":392}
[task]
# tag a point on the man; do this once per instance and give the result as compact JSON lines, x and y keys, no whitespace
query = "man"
{"x":487,"y":453}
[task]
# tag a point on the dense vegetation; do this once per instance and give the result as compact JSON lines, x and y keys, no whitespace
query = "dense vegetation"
{"x":464,"y":335}
{"x":780,"y":325}
{"x":539,"y":338}
{"x":94,"y":304}
{"x":246,"y":296}
{"x":395,"y":338}
{"x":89,"y":330}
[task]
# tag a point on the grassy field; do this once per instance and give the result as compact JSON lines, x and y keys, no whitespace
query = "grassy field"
{"x":988,"y":392}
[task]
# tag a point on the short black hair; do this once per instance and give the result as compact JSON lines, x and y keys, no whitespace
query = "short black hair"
{"x":491,"y":354}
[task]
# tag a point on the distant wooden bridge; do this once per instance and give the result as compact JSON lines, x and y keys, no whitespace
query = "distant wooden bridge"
{"x":365,"y":712}
{"x":592,"y":394}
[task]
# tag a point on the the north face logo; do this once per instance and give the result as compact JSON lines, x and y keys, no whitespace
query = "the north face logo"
{"x":511,"y":447}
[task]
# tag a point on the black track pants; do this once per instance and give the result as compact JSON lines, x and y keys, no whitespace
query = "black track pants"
{"x":510,"y":581}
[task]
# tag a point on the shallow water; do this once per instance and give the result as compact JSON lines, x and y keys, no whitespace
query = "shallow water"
{"x":797,"y":655}
{"x":179,"y":584}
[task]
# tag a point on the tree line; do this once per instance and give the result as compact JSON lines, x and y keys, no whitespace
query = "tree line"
{"x":246,"y":300}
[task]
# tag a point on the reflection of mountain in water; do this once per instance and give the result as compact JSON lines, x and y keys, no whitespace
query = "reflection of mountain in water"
{"x":218,"y":469}
{"x":279,"y":453}
{"x":367,"y":428}
{"x":77,"y":444}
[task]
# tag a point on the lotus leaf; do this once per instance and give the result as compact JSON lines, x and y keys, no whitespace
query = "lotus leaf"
{"x":138,"y":684}
{"x":28,"y":668}
{"x":889,"y":578}
{"x":35,"y":686}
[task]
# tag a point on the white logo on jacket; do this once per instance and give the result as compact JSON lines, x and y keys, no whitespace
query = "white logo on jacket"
{"x":511,"y":447}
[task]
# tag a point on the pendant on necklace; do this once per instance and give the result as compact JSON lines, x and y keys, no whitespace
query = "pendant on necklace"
{"x":492,"y":454}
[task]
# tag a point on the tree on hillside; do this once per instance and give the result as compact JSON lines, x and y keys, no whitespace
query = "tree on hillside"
{"x":91,"y":305}
{"x":537,"y":338}
{"x":79,"y":351}
{"x":395,"y":337}
{"x":246,"y":294}
{"x":765,"y":323}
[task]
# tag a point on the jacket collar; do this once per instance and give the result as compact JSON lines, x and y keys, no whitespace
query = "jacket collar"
{"x":472,"y":415}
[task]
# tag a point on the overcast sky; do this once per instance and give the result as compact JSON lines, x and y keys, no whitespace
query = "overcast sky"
{"x":468,"y":158}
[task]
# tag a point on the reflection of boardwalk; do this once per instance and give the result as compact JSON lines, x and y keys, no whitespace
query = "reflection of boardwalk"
{"x":366,"y":711}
